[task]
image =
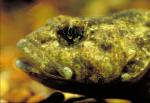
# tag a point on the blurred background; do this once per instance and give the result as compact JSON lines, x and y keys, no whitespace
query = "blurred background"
{"x":20,"y":17}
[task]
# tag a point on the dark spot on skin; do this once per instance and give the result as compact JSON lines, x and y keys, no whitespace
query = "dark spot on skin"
{"x":93,"y":21}
{"x":100,"y":80}
{"x":142,"y":42}
{"x":43,"y":41}
{"x":92,"y":32}
{"x":148,"y":35}
{"x":106,"y":46}
{"x":128,"y":66}
{"x":130,"y":16}
{"x":147,"y":24}
{"x":107,"y":21}
{"x":71,"y":34}
{"x":122,"y":32}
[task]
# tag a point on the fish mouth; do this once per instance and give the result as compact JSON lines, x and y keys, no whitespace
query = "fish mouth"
{"x":49,"y":80}
{"x":25,"y":64}
{"x":32,"y":69}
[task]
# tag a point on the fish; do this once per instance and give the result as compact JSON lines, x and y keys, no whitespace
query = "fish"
{"x":108,"y":55}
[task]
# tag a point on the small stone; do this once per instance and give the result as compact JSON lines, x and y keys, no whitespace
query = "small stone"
{"x":35,"y":99}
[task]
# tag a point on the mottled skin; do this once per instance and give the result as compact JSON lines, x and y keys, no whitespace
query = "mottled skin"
{"x":104,"y":48}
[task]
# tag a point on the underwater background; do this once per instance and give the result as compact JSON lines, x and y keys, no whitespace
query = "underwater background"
{"x":20,"y":17}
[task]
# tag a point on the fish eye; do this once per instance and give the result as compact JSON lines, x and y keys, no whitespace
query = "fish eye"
{"x":72,"y":35}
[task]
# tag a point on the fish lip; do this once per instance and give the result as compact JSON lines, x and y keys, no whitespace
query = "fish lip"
{"x":25,"y":64}
{"x":49,"y":80}
{"x":32,"y":70}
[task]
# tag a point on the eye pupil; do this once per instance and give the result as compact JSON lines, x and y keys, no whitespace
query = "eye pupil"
{"x":71,"y":34}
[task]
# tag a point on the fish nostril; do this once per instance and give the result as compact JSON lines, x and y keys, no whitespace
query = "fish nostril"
{"x":45,"y":40}
{"x":128,"y":66}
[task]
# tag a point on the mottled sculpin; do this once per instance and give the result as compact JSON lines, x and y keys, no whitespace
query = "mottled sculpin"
{"x":68,"y":51}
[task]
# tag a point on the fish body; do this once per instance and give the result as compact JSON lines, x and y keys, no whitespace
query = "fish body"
{"x":90,"y":51}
